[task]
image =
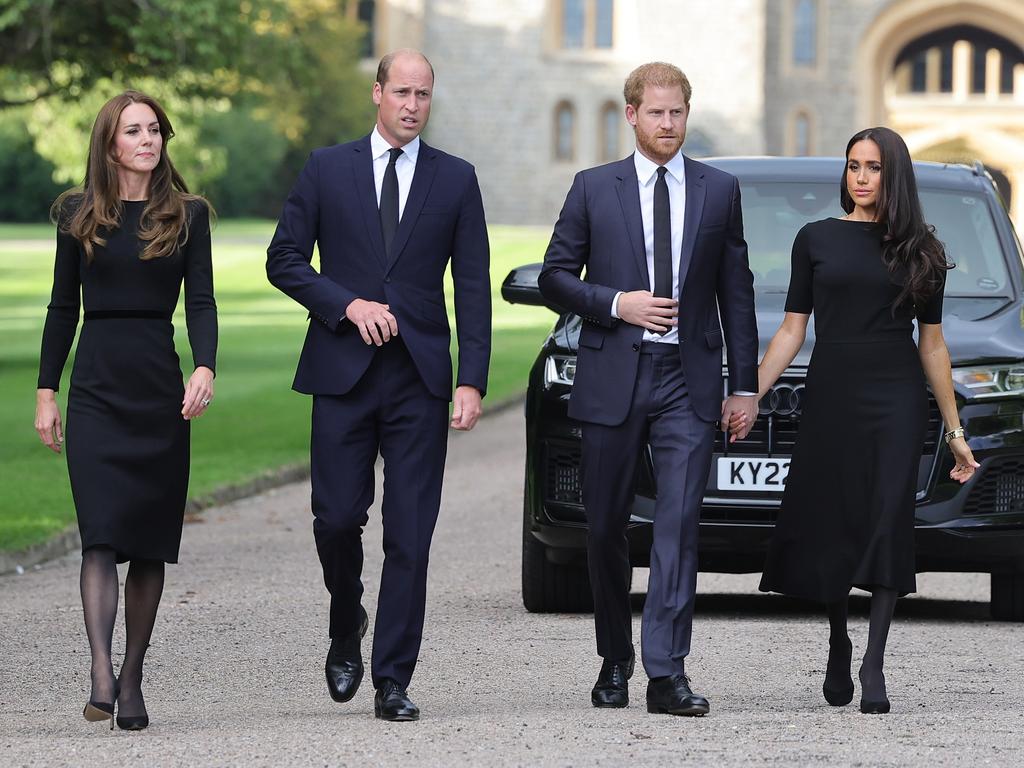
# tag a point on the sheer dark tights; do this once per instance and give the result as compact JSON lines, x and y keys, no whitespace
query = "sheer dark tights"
{"x":840,"y":653}
{"x":99,"y":604}
{"x":142,"y":590}
{"x":872,"y":681}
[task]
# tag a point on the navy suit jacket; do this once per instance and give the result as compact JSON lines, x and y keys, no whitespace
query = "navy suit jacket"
{"x":334,"y":205}
{"x":600,"y":229}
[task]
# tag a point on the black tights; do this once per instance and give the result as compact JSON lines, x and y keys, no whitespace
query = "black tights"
{"x":872,"y":680}
{"x":142,"y":590}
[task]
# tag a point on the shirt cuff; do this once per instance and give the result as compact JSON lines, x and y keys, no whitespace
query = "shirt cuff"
{"x":741,"y":393}
{"x":615,"y":305}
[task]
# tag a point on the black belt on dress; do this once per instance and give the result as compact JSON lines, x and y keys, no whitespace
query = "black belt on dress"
{"x":133,"y":314}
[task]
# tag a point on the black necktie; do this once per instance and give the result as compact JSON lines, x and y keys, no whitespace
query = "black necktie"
{"x":662,"y":238}
{"x":389,"y":201}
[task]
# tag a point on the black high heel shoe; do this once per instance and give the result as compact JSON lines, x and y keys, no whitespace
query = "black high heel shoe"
{"x":98,"y":711}
{"x":873,"y":706}
{"x":132,"y":722}
{"x":841,"y":695}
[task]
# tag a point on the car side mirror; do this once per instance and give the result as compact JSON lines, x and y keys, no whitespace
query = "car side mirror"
{"x":520,"y":287}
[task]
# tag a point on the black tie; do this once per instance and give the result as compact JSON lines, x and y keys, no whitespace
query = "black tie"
{"x":389,"y":201}
{"x":662,"y":238}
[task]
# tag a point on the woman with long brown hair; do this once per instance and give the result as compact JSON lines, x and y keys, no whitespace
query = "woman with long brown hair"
{"x":847,"y":516}
{"x":126,"y":241}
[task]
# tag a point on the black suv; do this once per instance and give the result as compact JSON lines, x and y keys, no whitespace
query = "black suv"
{"x":975,"y":527}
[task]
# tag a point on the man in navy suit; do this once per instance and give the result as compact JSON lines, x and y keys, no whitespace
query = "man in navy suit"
{"x":661,"y":239}
{"x":388,"y":214}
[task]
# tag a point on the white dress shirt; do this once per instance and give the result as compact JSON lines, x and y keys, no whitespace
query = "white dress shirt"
{"x":405,"y":167}
{"x":647,"y":175}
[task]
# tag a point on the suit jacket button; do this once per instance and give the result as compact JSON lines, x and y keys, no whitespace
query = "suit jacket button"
{"x":387,"y":279}
{"x":636,"y":347}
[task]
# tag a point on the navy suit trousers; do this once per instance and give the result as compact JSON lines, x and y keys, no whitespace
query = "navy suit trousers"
{"x":389,"y":412}
{"x":662,"y":416}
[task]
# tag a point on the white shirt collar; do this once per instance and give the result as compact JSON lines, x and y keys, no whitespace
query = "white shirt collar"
{"x":379,"y":146}
{"x":646,"y":169}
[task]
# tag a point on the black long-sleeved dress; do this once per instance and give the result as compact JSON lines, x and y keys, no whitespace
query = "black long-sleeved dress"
{"x":126,"y":442}
{"x":847,"y":515}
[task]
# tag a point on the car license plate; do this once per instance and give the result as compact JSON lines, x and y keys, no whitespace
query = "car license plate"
{"x":752,"y":474}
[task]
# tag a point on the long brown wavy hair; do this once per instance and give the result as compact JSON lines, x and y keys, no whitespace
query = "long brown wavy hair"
{"x":87,"y":212}
{"x":916,"y":259}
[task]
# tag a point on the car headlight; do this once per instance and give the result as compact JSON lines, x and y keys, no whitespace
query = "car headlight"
{"x":559,"y":369}
{"x":990,"y":381}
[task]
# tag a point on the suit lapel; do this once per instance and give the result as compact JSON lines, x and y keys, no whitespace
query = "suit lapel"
{"x":629,"y":198}
{"x":695,"y":192}
{"x":366,"y":191}
{"x":422,"y":178}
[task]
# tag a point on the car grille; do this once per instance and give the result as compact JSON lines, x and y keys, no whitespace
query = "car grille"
{"x":1000,"y":490}
{"x":774,"y":434}
{"x":562,"y":480}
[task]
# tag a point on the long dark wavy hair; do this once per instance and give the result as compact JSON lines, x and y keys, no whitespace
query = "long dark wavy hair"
{"x":914,"y":256}
{"x":96,"y":207}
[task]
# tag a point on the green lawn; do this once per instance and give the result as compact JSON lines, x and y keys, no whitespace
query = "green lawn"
{"x":258,"y":423}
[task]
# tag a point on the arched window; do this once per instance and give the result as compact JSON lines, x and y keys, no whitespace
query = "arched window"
{"x":611,"y":128}
{"x":932,"y":65}
{"x":565,"y":131}
{"x":805,"y":33}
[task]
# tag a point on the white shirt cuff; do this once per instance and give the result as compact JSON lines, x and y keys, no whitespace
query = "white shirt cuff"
{"x":615,"y":305}
{"x":741,"y":393}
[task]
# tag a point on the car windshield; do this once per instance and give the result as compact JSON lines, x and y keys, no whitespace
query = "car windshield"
{"x":773,"y":213}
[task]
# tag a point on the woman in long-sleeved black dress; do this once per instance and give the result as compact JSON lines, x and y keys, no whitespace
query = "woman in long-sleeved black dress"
{"x":125,"y":244}
{"x":847,"y":515}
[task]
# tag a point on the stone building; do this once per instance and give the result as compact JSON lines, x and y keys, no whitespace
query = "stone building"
{"x":530,"y":91}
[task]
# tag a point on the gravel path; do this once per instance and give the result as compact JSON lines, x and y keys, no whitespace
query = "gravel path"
{"x":235,"y":677}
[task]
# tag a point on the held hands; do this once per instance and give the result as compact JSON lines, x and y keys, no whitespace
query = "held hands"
{"x":48,"y":420}
{"x":965,"y":465}
{"x":198,"y":393}
{"x":738,"y":415}
{"x":644,"y":309}
{"x":466,"y":408}
{"x":375,"y":322}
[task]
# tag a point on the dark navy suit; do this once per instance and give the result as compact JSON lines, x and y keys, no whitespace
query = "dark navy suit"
{"x":627,"y":397}
{"x":391,"y":400}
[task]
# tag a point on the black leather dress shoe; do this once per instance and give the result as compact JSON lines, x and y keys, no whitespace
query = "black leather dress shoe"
{"x":612,"y":686}
{"x":391,"y":702}
{"x":672,"y":696}
{"x":344,"y":667}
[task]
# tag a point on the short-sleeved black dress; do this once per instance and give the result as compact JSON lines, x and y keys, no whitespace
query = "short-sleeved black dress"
{"x":127,"y":444}
{"x":847,"y":515}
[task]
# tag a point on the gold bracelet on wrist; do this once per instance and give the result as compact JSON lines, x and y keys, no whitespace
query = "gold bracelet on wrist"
{"x":953,"y":434}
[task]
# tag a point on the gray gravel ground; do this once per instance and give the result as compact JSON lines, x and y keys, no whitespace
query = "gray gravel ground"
{"x":235,"y":677}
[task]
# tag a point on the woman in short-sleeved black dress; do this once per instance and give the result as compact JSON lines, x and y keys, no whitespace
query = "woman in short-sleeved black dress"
{"x":847,"y":516}
{"x":125,"y":244}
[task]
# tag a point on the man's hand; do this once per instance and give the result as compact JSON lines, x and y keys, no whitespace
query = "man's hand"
{"x":738,"y":415}
{"x":643,"y":309}
{"x":375,"y":323}
{"x":466,"y":408}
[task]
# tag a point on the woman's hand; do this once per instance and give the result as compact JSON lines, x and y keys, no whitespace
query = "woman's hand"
{"x":48,"y":420}
{"x":965,"y":463}
{"x":198,"y":393}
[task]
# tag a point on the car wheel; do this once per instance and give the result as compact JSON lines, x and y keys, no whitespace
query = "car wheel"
{"x":551,"y":587}
{"x":1008,"y":596}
